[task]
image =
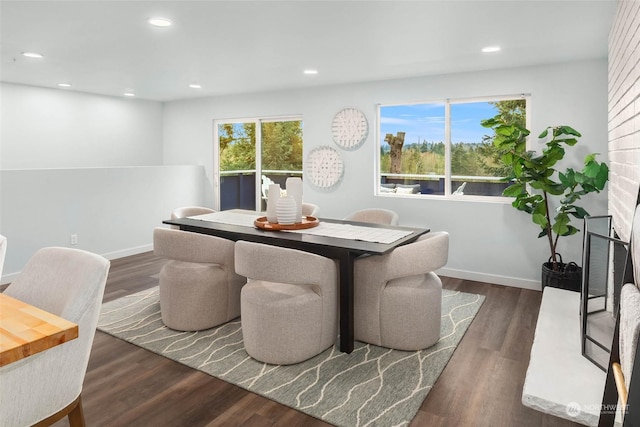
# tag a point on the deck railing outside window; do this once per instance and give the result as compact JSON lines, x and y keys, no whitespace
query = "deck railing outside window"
{"x":238,"y":187}
{"x":435,"y":184}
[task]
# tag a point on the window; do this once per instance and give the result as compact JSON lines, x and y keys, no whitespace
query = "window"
{"x":251,"y":153}
{"x":440,"y":148}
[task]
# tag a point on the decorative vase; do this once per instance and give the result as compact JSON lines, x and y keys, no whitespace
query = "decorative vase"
{"x":286,"y":210}
{"x":294,"y":189}
{"x":272,"y":201}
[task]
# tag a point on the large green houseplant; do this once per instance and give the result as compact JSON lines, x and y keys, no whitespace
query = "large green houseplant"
{"x":539,"y":189}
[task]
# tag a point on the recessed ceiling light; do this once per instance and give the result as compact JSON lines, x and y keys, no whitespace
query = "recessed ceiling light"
{"x":311,"y":72}
{"x":129,"y":94}
{"x":64,"y":85}
{"x":195,"y":86}
{"x":160,"y":22}
{"x":32,"y":55}
{"x":490,"y":49}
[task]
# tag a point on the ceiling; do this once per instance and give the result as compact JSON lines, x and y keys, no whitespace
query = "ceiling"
{"x":107,"y":47}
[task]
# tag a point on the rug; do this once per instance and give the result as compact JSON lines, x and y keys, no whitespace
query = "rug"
{"x":372,"y":386}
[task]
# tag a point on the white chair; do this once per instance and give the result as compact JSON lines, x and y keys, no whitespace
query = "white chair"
{"x":266,"y":182}
{"x":46,"y":387}
{"x":460,"y":190}
{"x":199,"y":288}
{"x":289,"y":304}
{"x":398,"y":297}
{"x":3,"y":252}
{"x":375,"y":216}
{"x":309,"y":209}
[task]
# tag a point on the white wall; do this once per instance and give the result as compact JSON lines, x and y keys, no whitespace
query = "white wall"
{"x":75,"y":163}
{"x":624,"y":115}
{"x":113,"y":211}
{"x":56,"y":128}
{"x":489,"y":241}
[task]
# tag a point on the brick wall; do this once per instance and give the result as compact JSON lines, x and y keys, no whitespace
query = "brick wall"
{"x":624,"y":115}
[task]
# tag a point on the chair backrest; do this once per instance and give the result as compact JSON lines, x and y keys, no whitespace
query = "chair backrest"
{"x":310,"y":209}
{"x":69,"y":283}
{"x":375,"y":216}
{"x":284,"y":265}
{"x":192,"y":247}
{"x":3,"y":252}
{"x":186,"y":211}
{"x":62,"y":281}
{"x":430,"y":252}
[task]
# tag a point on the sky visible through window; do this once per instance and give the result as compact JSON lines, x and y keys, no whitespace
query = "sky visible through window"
{"x":425,"y":122}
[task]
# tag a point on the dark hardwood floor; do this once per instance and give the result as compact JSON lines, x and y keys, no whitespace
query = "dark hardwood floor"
{"x":481,"y":386}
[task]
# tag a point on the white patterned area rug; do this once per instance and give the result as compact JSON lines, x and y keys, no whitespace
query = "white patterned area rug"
{"x":372,"y":386}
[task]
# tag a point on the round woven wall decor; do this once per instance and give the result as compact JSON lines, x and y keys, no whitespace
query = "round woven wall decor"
{"x":349,"y":128}
{"x":324,"y":167}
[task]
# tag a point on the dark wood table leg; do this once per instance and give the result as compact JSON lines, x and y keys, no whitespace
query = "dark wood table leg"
{"x":346,"y":302}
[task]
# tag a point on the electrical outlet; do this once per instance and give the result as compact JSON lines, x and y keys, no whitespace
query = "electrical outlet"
{"x":74,"y":239}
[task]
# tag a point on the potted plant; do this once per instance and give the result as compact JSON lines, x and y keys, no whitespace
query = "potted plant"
{"x":537,"y":186}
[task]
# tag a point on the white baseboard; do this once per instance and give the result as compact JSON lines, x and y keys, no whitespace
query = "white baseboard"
{"x":128,"y":252}
{"x":491,"y":278}
{"x":8,"y":278}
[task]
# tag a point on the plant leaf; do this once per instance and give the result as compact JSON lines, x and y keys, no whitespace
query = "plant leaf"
{"x":570,"y":141}
{"x":489,"y":123}
{"x":568,"y":130}
{"x":505,"y":130}
{"x":540,"y":219}
{"x":602,"y":177}
{"x":513,"y":190}
{"x":580,"y":212}
{"x":591,"y":169}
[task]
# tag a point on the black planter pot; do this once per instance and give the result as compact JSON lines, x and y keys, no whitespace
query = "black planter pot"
{"x":568,"y":276}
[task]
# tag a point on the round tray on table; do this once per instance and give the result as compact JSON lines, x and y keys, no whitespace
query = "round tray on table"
{"x":307,"y":222}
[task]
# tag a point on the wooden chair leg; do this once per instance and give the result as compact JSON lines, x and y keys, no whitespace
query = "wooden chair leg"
{"x":76,"y":416}
{"x":73,"y":411}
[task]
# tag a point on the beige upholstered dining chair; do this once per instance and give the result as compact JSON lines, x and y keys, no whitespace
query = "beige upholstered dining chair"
{"x":45,"y":387}
{"x":3,"y":252}
{"x":199,"y":288}
{"x":398,"y":297}
{"x":375,"y":216}
{"x":289,"y":304}
{"x":310,"y":209}
{"x":186,"y":211}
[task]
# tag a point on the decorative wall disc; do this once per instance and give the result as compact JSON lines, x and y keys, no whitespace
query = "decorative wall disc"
{"x":324,"y":167}
{"x":349,"y":128}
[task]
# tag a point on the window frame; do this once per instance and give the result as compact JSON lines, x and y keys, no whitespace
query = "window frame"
{"x":447,"y":102}
{"x":257,"y":121}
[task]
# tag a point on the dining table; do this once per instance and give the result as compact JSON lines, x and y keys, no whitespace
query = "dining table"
{"x":337,"y":239}
{"x":26,"y":330}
